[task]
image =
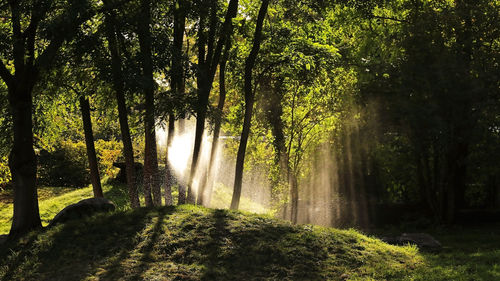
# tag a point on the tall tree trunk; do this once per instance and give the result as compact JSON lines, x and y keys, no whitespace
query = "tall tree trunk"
{"x":22,"y":161}
{"x":207,"y":183}
{"x":294,"y":196}
{"x":95,"y":179}
{"x":207,"y":64}
{"x":177,"y":87}
{"x":151,"y":175}
{"x":274,"y":113}
{"x":249,"y":100}
{"x":118,"y":85}
{"x":168,"y":173}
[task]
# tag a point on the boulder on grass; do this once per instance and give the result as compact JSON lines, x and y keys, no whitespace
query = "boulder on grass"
{"x":83,"y":208}
{"x":423,"y":241}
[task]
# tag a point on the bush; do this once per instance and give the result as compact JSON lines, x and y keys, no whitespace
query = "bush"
{"x":108,"y":153}
{"x":5,"y":176}
{"x":66,"y":165}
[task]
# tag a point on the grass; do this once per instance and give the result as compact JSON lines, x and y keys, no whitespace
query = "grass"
{"x":195,"y":243}
{"x":51,"y":200}
{"x":471,"y":253}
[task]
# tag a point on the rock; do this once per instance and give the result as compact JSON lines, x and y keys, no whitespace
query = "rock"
{"x":84,"y":208}
{"x":423,"y":241}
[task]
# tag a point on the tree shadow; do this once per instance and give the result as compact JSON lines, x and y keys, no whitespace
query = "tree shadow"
{"x":100,"y":246}
{"x":214,"y":247}
{"x":13,"y":254}
{"x":147,"y":248}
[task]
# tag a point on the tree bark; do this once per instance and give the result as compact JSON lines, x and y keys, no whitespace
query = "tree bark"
{"x":117,"y":75}
{"x":22,"y":161}
{"x":151,"y":175}
{"x":207,"y":184}
{"x":294,"y":195}
{"x":168,"y":174}
{"x":95,"y":179}
{"x":249,"y":101}
{"x":206,"y":71}
{"x":177,"y":86}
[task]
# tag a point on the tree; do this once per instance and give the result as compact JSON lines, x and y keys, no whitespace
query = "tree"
{"x":118,"y":85}
{"x":29,"y":61}
{"x":249,"y":101}
{"x":177,"y":87}
{"x":209,"y":52}
{"x":151,"y":175}
{"x":89,"y":142}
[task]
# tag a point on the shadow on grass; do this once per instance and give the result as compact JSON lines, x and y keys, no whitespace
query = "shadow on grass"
{"x":13,"y":254}
{"x":188,"y":244}
{"x":80,"y":248}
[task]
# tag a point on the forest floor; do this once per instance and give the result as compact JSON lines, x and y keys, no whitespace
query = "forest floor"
{"x":195,"y":243}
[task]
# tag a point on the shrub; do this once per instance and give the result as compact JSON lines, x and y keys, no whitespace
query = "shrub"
{"x":108,"y":153}
{"x":65,"y":165}
{"x":5,"y":176}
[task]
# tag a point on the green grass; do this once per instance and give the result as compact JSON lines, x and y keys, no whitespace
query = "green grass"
{"x":471,"y":253}
{"x":222,"y":196}
{"x":194,"y":243}
{"x":51,"y":200}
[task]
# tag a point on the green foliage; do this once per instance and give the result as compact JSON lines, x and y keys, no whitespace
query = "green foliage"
{"x":66,"y":165}
{"x":5,"y":176}
{"x":108,"y":153}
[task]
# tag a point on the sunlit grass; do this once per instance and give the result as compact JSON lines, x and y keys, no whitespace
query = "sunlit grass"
{"x":221,"y":199}
{"x":54,"y":199}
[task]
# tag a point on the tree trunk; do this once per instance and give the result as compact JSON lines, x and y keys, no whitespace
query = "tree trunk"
{"x":22,"y":161}
{"x":151,"y":175}
{"x":168,"y":174}
{"x":207,"y":179}
{"x":294,"y":195}
{"x":89,"y":143}
{"x":249,"y":100}
{"x":116,"y":69}
{"x":177,"y":86}
{"x":206,"y":71}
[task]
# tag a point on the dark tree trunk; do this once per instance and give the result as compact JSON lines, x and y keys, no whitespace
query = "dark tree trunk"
{"x":95,"y":179}
{"x":207,"y":64}
{"x":274,"y":113}
{"x":151,"y":175}
{"x":116,"y":69}
{"x":22,"y":161}
{"x":249,"y":100}
{"x":204,"y":86}
{"x":207,"y":179}
{"x":168,"y":174}
{"x":177,"y":86}
{"x":294,"y":196}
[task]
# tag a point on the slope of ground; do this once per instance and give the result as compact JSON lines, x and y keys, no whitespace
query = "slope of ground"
{"x":193,"y":243}
{"x":188,"y":243}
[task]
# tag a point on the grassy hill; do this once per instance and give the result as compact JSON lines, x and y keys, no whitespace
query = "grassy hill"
{"x":194,"y":243}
